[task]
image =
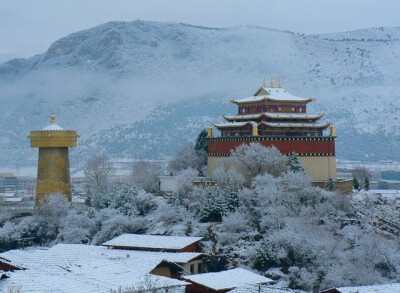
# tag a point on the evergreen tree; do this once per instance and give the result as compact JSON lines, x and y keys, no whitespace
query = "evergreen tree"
{"x":213,"y":205}
{"x":330,"y":184}
{"x":366,"y":183}
{"x":356,"y":184}
{"x":232,"y":199}
{"x":294,"y":163}
{"x":201,"y":142}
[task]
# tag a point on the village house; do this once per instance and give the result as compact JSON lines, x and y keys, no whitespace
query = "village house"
{"x":223,"y":281}
{"x":165,"y":244}
{"x":89,"y":268}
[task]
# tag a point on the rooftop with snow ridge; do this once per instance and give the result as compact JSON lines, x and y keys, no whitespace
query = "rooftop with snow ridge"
{"x":228,"y":279}
{"x":152,"y":242}
{"x":86,"y":268}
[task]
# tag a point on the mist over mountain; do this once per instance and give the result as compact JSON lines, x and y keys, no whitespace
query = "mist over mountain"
{"x":143,"y":89}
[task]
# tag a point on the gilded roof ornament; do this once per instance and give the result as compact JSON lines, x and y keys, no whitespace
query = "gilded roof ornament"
{"x":279,"y":83}
{"x":264,"y":83}
{"x":272,"y":81}
{"x":53,"y":118}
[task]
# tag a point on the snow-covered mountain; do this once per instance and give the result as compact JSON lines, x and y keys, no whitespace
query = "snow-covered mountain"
{"x":143,"y":89}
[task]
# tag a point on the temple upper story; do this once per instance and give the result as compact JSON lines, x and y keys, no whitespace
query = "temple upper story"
{"x":272,"y":111}
{"x":272,"y":99}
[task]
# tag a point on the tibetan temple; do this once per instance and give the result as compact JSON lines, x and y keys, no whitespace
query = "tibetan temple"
{"x":274,"y":117}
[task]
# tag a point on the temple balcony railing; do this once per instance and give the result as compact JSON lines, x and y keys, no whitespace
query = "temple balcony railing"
{"x":272,"y":138}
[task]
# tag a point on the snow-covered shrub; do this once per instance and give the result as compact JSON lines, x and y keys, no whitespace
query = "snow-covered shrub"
{"x":119,"y":224}
{"x":130,"y":201}
{"x":77,"y":227}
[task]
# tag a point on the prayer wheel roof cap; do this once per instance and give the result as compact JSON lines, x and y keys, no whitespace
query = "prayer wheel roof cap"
{"x":53,"y":136}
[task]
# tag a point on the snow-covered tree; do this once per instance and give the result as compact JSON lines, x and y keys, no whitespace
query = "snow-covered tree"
{"x":98,"y":171}
{"x":213,"y":204}
{"x":187,"y":157}
{"x":360,"y":173}
{"x":227,"y":175}
{"x":366,"y":183}
{"x":356,"y":183}
{"x":254,"y":159}
{"x":201,"y":142}
{"x":185,"y":181}
{"x":294,"y":163}
{"x":145,"y":175}
{"x":330,"y":184}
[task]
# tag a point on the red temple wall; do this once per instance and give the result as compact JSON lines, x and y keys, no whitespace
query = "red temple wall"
{"x":284,"y":146}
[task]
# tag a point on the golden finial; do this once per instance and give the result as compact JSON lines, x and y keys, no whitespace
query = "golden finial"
{"x":279,"y":83}
{"x":272,"y":81}
{"x":264,"y":83}
{"x":53,"y":118}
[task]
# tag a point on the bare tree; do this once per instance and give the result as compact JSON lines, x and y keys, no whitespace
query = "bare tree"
{"x":145,"y":175}
{"x":360,"y":173}
{"x":98,"y":171}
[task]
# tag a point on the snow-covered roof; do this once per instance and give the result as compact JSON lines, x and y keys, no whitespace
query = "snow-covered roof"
{"x":86,"y":268}
{"x":234,"y":124}
{"x":381,"y":288}
{"x":273,"y":94}
{"x":53,"y":126}
{"x":295,"y":124}
{"x":273,"y":124}
{"x":228,"y":279}
{"x":273,"y":115}
{"x":159,"y":242}
{"x":263,"y":289}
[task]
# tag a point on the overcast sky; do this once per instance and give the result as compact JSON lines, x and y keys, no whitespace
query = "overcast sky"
{"x":28,"y":27}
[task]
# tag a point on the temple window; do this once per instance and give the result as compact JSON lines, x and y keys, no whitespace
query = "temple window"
{"x":293,"y":109}
{"x":279,"y":109}
{"x":243,"y":110}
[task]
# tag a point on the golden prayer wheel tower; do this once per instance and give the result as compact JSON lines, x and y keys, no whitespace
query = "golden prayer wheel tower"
{"x":53,"y":174}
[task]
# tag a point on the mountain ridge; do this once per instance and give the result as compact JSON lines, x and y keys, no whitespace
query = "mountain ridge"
{"x":112,"y":78}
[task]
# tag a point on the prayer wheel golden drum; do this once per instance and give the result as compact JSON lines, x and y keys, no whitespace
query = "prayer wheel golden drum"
{"x":53,"y":174}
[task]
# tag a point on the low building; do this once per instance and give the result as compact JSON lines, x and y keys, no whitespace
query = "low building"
{"x":168,"y":184}
{"x":379,"y":288}
{"x":163,"y":243}
{"x":89,"y":268}
{"x":264,"y":289}
{"x":155,"y":243}
{"x":223,"y":281}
